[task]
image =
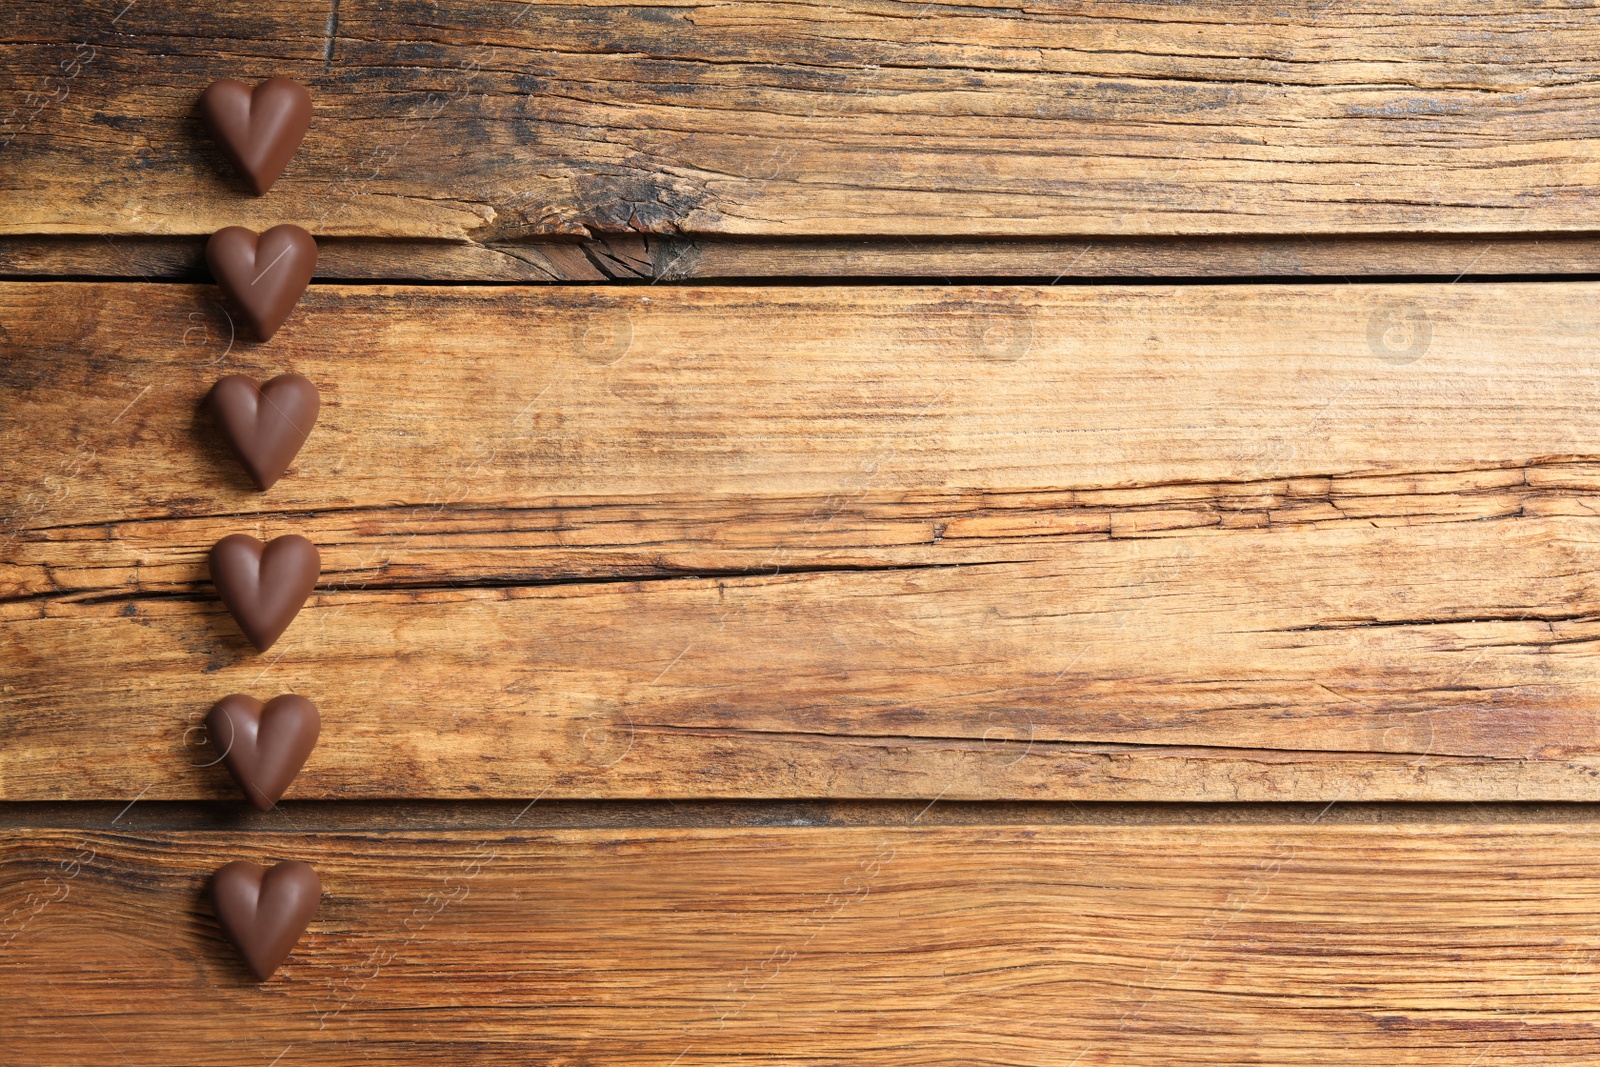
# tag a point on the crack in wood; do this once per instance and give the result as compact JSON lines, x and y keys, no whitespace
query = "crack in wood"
{"x":327,"y":586}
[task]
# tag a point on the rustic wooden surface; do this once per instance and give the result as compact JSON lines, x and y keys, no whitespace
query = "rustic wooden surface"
{"x":1153,"y":945}
{"x":481,"y":121}
{"x":1112,"y":543}
{"x":966,"y":672}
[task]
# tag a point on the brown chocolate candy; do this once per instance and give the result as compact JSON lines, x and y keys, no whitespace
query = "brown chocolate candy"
{"x":264,"y":912}
{"x":264,"y":276}
{"x":265,"y":424}
{"x":264,"y":586}
{"x":264,"y":745}
{"x":258,"y":129}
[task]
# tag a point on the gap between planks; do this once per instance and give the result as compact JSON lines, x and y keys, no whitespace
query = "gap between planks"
{"x":533,"y":813}
{"x":656,"y":259}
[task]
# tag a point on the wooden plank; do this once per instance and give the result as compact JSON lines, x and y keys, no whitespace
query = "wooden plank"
{"x":1464,"y":672}
{"x":1423,"y":945}
{"x":542,"y":397}
{"x":1194,"y":544}
{"x":501,"y":119}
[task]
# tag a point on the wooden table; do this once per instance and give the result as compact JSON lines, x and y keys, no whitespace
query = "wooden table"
{"x":885,"y":533}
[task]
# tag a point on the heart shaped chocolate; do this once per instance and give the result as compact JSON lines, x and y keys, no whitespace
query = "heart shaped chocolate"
{"x":258,"y":129}
{"x":264,"y":276}
{"x":264,"y":745}
{"x":265,"y":424}
{"x":264,"y":586}
{"x":264,"y":912}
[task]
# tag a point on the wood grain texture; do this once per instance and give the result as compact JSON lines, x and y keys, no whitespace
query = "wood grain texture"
{"x":1209,"y":543}
{"x":1425,"y":945}
{"x":537,"y":397}
{"x":490,"y":120}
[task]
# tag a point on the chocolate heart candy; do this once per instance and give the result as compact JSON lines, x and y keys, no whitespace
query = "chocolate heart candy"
{"x":264,"y":912}
{"x":264,"y":745}
{"x":265,"y":424}
{"x":263,"y":275}
{"x":264,"y":586}
{"x":259,"y":128}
